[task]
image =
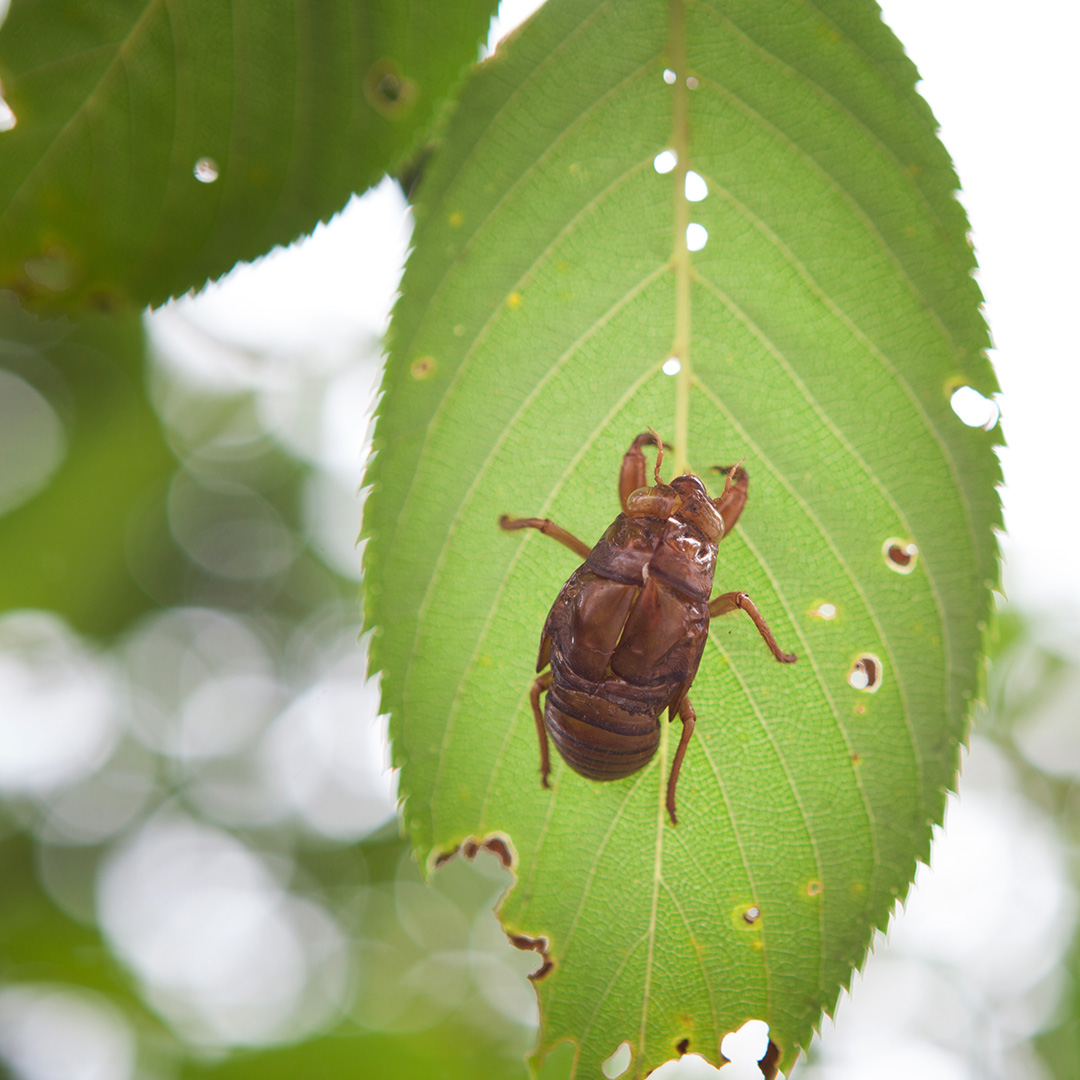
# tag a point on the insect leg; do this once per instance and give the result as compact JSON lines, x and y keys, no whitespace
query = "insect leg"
{"x":548,"y":528}
{"x":731,"y":502}
{"x":729,"y":601}
{"x":632,"y":473}
{"x":689,"y":720}
{"x":538,"y":687}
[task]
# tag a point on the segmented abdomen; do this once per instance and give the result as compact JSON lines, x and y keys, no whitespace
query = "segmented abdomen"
{"x":597,"y":737}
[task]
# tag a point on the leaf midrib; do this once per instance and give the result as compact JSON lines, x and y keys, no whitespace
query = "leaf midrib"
{"x":786,"y":252}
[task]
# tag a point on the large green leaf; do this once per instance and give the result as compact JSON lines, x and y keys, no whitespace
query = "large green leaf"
{"x":821,"y":331}
{"x":296,"y":103}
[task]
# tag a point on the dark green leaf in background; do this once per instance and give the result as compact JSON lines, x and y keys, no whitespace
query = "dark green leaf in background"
{"x":68,"y":547}
{"x":39,"y":943}
{"x":293,"y":104}
{"x":828,"y":318}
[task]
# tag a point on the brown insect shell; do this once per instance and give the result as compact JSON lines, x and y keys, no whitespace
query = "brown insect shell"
{"x":626,"y":633}
{"x":669,"y":534}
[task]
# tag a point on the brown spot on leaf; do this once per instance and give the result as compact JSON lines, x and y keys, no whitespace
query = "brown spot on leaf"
{"x":539,"y":945}
{"x":900,"y":555}
{"x":422,"y":367}
{"x":865,"y":673}
{"x":501,"y":850}
{"x":683,"y":1045}
{"x":388,"y":91}
{"x":770,"y":1062}
{"x":498,"y":845}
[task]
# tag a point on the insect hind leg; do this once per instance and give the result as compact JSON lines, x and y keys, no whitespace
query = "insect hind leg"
{"x":729,"y":505}
{"x":689,"y":722}
{"x":542,"y":683}
{"x":731,"y":601}
{"x":548,"y":528}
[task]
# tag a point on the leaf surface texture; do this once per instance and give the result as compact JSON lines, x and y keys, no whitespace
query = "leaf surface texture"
{"x":829,"y":315}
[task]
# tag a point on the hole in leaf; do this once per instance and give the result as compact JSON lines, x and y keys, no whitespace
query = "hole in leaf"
{"x":206,"y":170}
{"x":900,"y":555}
{"x":665,"y":161}
{"x":618,"y":1063}
{"x":824,"y":611}
{"x":497,"y":844}
{"x":973,"y":408}
{"x":7,"y":116}
{"x":696,"y":188}
{"x":747,"y":1045}
{"x":501,"y":850}
{"x":865,"y":673}
{"x":671,"y":366}
{"x":669,"y":76}
{"x":538,"y":945}
{"x":752,"y":914}
{"x":697,"y":236}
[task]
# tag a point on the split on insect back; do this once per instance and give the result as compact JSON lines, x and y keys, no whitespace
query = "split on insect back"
{"x":682,"y":887}
{"x":625,"y":635}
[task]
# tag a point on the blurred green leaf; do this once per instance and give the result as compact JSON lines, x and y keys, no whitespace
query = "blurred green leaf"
{"x":39,"y":943}
{"x":445,"y":1052}
{"x":64,"y":549}
{"x":297,"y":104}
{"x":1059,"y":1046}
{"x":455,"y":1048}
{"x":832,"y":314}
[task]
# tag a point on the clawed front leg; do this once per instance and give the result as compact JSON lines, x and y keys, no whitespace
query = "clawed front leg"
{"x":632,"y":472}
{"x":542,"y":683}
{"x":729,"y":505}
{"x":726,"y":602}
